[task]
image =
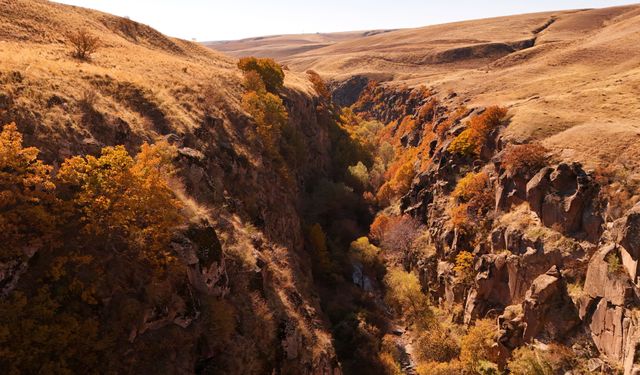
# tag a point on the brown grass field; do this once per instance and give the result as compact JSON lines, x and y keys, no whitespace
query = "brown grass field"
{"x":570,"y":78}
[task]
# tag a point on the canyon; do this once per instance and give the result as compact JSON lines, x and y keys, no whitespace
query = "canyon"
{"x":459,"y":198}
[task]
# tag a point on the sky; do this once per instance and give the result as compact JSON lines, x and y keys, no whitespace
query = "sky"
{"x":235,"y":19}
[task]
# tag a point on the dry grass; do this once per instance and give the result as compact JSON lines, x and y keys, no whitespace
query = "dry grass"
{"x":575,"y":90}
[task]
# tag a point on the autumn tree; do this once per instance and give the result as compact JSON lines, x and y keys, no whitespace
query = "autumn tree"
{"x":126,"y":201}
{"x":270,"y":71}
{"x":477,"y":346}
{"x":404,"y":295}
{"x":319,"y":86}
{"x":399,"y":236}
{"x":360,"y":174}
{"x":270,"y":116}
{"x":473,"y":199}
{"x":84,"y":44}
{"x":27,"y":198}
{"x":39,"y":334}
{"x":464,"y":268}
{"x":379,"y":227}
{"x":471,"y":141}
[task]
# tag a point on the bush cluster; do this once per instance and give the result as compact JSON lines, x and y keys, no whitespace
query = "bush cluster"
{"x":471,"y":141}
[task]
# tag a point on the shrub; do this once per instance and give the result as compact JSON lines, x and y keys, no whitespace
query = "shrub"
{"x":473,"y":199}
{"x":84,"y":44}
{"x":440,"y":368}
{"x":477,"y":345}
{"x":471,"y":141}
{"x":270,"y":71}
{"x":619,"y":189}
{"x":27,"y":199}
{"x":614,"y":263}
{"x":527,"y":158}
{"x":556,"y":359}
{"x":473,"y":188}
{"x":436,"y":345}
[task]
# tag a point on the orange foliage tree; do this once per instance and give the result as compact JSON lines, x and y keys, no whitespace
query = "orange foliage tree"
{"x":472,"y":139}
{"x":126,"y":200}
{"x":526,"y":158}
{"x":473,"y":199}
{"x":319,"y":85}
{"x":27,"y":198}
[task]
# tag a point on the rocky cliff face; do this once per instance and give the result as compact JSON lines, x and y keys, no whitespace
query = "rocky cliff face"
{"x":244,"y":271}
{"x":547,"y":267}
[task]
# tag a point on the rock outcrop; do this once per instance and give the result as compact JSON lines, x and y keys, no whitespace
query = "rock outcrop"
{"x":564,"y":198}
{"x":611,"y":298}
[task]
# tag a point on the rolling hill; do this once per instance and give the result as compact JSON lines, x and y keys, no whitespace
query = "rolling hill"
{"x":570,"y":78}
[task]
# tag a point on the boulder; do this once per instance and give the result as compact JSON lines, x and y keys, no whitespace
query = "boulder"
{"x":511,"y":190}
{"x":199,"y":248}
{"x":629,"y":235}
{"x":564,"y":198}
{"x":610,"y":308}
{"x":548,"y":311}
{"x":626,"y":232}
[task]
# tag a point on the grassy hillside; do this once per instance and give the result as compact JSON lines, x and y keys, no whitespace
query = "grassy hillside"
{"x":569,"y":78}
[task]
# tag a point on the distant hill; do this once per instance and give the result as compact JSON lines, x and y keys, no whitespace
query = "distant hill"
{"x":569,"y":77}
{"x":283,"y":46}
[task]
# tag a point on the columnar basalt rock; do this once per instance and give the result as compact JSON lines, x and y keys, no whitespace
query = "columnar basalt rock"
{"x":609,"y":308}
{"x":564,"y":198}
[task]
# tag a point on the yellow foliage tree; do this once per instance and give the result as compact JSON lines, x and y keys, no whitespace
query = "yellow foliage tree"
{"x":464,"y":267}
{"x":471,"y":141}
{"x":270,"y":116}
{"x":126,"y":201}
{"x":477,"y":346}
{"x":270,"y":71}
{"x":404,"y":294}
{"x":27,"y":198}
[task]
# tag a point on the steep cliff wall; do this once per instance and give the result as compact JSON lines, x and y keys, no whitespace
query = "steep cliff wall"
{"x":241,"y":299}
{"x":548,"y":265}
